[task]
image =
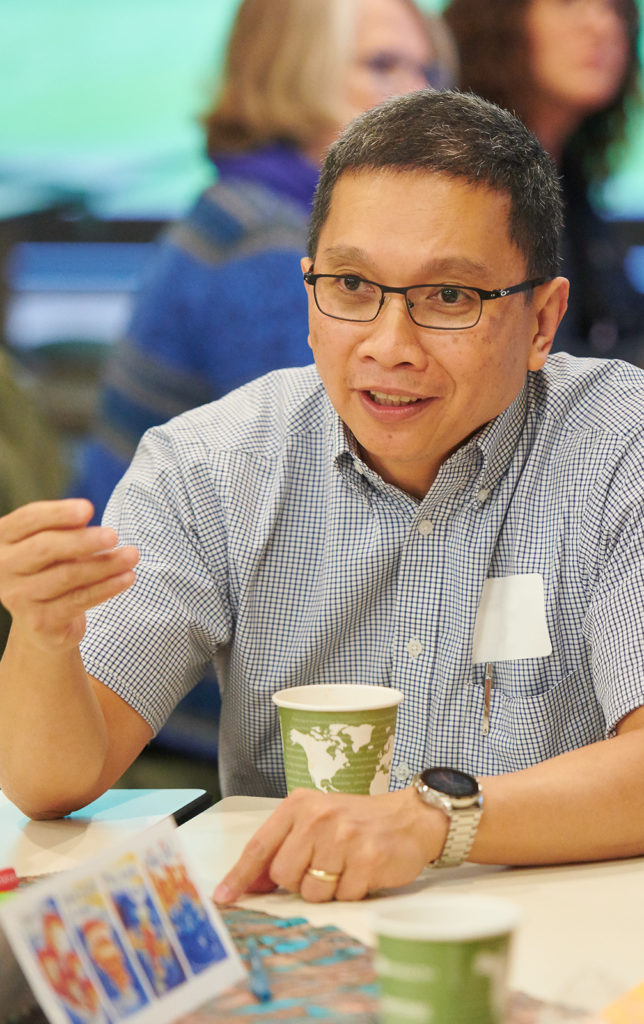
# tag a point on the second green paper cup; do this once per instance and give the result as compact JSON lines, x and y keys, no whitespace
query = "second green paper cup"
{"x":338,"y":738}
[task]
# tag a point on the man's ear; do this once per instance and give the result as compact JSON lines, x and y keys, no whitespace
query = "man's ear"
{"x":550,"y":304}
{"x":306,"y":263}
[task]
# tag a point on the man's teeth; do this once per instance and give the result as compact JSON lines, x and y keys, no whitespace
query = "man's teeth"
{"x":382,"y":399}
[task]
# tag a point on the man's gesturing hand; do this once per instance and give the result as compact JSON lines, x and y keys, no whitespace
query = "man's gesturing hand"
{"x":53,"y":567}
{"x":368,"y":842}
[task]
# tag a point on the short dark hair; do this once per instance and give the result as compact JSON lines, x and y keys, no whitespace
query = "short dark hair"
{"x":461,"y":136}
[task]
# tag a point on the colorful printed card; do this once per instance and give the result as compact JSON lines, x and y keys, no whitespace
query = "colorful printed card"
{"x":127,"y":936}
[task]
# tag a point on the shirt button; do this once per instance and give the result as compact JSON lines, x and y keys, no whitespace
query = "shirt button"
{"x":358,"y":468}
{"x":425,"y":527}
{"x":414,"y":648}
{"x":401,"y":772}
{"x":483,"y":494}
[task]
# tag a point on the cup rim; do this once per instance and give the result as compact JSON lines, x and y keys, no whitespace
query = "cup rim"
{"x":473,"y":917}
{"x":362,"y":698}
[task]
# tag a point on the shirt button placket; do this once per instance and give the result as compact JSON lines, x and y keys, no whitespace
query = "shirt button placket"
{"x":414,"y":647}
{"x":402,"y":772}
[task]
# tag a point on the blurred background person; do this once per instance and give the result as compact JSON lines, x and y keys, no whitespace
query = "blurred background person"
{"x":31,"y":459}
{"x":223,"y":301}
{"x":571,"y":70}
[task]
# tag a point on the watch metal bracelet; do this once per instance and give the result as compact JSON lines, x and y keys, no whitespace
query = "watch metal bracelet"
{"x":460,"y":837}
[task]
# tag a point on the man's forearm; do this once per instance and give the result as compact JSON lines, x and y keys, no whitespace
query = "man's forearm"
{"x":587,"y":804}
{"x":53,"y":738}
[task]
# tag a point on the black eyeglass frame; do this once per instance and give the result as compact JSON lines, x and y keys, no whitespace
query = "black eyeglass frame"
{"x":484,"y":294}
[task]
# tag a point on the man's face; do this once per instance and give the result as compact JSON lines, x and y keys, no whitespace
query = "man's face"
{"x":409,"y":228}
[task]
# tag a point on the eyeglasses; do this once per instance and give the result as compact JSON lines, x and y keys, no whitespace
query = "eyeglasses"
{"x":442,"y":307}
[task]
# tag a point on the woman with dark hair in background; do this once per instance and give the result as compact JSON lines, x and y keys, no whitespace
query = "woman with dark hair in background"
{"x":570,"y":69}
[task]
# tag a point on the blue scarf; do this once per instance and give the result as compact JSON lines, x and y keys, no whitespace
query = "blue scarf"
{"x":278,"y":166}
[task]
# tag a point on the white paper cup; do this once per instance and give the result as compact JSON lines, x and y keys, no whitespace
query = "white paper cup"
{"x":443,"y":959}
{"x":338,"y":738}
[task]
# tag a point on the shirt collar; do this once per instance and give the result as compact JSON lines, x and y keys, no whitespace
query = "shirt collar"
{"x":343,"y":443}
{"x":487,"y":455}
{"x":497,"y":441}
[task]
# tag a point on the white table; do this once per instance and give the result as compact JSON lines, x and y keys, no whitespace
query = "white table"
{"x":580,"y":939}
{"x":38,"y":847}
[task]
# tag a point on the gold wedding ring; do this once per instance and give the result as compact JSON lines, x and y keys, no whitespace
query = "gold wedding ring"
{"x":322,"y":876}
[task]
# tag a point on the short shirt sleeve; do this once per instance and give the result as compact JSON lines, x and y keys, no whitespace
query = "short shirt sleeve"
{"x":614,"y":624}
{"x":154,"y":642}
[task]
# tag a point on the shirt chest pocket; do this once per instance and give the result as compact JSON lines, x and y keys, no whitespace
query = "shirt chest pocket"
{"x":538,"y":709}
{"x":525,"y":677}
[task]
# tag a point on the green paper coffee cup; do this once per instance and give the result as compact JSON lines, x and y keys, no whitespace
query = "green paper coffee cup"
{"x":444,"y":958}
{"x":338,"y":738}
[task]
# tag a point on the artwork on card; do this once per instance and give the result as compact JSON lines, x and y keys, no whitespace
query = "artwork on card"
{"x":181,"y":902}
{"x":54,"y":949}
{"x":125,"y":937}
{"x":97,"y":930}
{"x":138,"y":913}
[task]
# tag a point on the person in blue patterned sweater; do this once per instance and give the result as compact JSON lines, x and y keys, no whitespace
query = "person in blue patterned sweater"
{"x":223,"y":300}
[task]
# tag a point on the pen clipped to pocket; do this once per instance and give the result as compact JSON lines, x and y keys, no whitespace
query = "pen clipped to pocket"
{"x":510,"y":625}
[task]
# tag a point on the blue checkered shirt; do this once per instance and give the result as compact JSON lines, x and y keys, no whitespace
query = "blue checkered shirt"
{"x":270,"y":547}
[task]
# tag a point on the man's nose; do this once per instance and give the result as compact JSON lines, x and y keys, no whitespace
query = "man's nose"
{"x":393,"y":337}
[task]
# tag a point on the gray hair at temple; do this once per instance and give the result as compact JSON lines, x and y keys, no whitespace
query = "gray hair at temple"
{"x":465,"y":137}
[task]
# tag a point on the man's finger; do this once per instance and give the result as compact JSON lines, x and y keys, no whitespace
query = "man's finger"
{"x":64,"y":513}
{"x":263,"y":883}
{"x":49,"y":549}
{"x":252,"y":868}
{"x":67,"y":578}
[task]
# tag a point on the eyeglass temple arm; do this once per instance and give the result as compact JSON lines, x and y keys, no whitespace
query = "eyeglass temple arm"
{"x":500,"y":293}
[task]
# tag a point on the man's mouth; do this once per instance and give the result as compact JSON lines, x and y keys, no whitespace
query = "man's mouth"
{"x":380,"y":398}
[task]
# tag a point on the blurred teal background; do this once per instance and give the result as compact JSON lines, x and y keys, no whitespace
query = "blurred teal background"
{"x":99,"y":104}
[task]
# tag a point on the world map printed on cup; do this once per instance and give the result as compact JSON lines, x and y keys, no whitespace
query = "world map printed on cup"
{"x":338,"y":738}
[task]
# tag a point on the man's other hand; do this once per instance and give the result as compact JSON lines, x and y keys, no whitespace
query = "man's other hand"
{"x":53,"y":567}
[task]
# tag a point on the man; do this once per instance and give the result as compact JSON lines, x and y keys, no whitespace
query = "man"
{"x":434,"y":506}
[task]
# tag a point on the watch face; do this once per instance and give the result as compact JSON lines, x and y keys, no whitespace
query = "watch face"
{"x":450,"y":781}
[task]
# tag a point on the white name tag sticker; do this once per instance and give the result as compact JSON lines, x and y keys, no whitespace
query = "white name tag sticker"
{"x":511,"y":620}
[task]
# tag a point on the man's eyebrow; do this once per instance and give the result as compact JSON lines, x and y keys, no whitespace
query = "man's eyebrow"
{"x":344,"y":252}
{"x":433,"y":271}
{"x":453,"y":266}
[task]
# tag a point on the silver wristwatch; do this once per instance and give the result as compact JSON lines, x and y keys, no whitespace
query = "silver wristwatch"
{"x":459,"y":796}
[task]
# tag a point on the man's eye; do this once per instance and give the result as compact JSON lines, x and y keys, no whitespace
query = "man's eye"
{"x":350,"y":283}
{"x":450,"y":296}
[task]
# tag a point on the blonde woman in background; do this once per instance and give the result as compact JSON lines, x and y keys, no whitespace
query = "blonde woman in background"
{"x":224,"y":300}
